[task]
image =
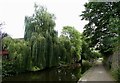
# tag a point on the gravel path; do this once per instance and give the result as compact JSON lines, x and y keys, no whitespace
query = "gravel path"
{"x":98,"y":74}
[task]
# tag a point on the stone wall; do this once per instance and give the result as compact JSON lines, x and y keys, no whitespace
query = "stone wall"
{"x":115,"y":60}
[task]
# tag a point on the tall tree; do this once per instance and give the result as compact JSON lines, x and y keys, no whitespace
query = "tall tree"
{"x":98,"y":29}
{"x":39,"y":30}
{"x":72,"y":42}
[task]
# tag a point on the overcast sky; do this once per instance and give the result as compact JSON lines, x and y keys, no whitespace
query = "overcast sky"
{"x":67,"y":12}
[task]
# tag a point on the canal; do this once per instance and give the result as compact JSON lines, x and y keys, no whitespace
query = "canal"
{"x":53,"y":74}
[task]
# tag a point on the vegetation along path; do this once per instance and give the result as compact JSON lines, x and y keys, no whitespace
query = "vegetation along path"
{"x":96,"y":73}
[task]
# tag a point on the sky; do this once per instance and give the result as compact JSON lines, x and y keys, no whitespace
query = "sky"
{"x":67,"y":12}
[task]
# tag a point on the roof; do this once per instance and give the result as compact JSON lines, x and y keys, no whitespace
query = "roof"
{"x":18,"y":38}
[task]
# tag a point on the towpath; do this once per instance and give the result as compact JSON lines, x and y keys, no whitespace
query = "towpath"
{"x":97,"y":74}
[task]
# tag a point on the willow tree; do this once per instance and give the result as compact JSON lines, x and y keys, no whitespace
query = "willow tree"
{"x":39,"y":31}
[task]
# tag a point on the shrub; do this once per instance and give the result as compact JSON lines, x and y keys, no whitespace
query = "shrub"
{"x":8,"y":68}
{"x":86,"y":65}
{"x":116,"y":74}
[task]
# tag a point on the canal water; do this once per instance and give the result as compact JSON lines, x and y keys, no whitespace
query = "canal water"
{"x":72,"y":74}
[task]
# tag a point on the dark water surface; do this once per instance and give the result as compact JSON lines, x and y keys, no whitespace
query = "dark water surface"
{"x":53,"y":74}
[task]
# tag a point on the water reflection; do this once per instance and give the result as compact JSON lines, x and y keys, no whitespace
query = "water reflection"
{"x":53,"y":74}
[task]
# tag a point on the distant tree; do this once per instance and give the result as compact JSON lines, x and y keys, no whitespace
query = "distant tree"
{"x":1,"y":30}
{"x":2,"y":34}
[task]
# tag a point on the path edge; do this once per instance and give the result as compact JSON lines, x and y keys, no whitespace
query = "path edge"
{"x":84,"y":74}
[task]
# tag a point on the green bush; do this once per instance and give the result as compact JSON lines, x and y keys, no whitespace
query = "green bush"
{"x":86,"y":65}
{"x":8,"y":68}
{"x":116,"y":74}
